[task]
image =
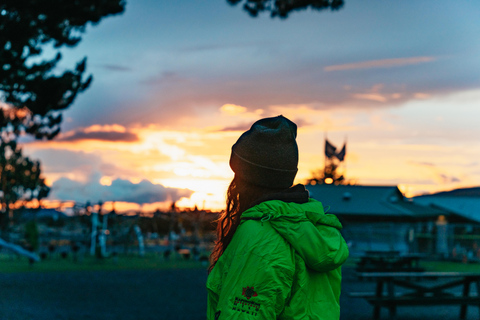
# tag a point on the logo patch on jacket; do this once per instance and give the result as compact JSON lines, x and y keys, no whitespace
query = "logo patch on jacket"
{"x":248,"y":292}
{"x":245,"y":306}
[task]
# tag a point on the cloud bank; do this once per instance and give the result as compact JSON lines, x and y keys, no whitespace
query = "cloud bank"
{"x":101,"y":136}
{"x":110,"y":133}
{"x":120,"y":190}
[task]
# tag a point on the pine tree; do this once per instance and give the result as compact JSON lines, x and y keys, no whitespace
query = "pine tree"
{"x":32,"y":91}
{"x":281,"y":8}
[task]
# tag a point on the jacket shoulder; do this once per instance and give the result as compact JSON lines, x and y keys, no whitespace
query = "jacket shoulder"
{"x":261,"y":241}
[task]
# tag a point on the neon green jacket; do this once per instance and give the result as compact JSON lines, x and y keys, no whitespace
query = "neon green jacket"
{"x":282,"y":263}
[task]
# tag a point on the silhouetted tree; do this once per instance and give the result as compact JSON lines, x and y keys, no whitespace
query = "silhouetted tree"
{"x":328,"y":175}
{"x":32,"y":235}
{"x":281,"y":8}
{"x":32,"y":91}
{"x":26,"y":27}
{"x":20,"y":179}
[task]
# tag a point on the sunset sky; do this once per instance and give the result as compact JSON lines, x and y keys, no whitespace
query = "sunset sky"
{"x":177,"y":82}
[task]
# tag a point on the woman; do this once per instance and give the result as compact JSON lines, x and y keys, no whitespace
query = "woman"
{"x":278,"y":255}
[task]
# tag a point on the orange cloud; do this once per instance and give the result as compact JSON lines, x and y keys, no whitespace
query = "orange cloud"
{"x":371,"y":96}
{"x":105,"y":128}
{"x":381,"y":144}
{"x":108,"y":133}
{"x":384,"y":63}
{"x":232,"y":109}
{"x":421,"y":95}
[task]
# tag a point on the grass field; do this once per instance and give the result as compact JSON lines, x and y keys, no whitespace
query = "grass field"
{"x":435,"y":265}
{"x":9,"y":264}
{"x":150,"y":288}
{"x":448,"y":266}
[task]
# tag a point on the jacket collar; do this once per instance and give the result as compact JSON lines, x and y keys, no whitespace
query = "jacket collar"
{"x":296,"y":194}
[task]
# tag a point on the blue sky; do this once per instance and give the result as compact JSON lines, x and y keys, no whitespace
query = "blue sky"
{"x":391,"y":77}
{"x":193,"y":54}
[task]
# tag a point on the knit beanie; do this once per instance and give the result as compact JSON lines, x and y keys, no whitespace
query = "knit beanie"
{"x":267,"y":154}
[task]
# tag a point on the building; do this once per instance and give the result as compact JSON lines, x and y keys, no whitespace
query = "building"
{"x":463,"y":239}
{"x":380,"y":218}
{"x":356,"y":204}
{"x":461,"y":202}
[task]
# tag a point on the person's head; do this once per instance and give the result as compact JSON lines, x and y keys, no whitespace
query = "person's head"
{"x":264,"y":160}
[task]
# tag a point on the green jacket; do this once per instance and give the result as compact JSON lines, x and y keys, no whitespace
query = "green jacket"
{"x":282,"y":263}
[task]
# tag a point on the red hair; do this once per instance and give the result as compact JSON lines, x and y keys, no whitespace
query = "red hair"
{"x":241,"y":196}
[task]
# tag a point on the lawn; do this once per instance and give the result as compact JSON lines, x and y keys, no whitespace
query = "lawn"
{"x":434,"y":265}
{"x":9,"y":263}
{"x":449,"y":266}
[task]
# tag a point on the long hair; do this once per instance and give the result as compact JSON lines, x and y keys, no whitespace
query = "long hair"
{"x":241,"y":196}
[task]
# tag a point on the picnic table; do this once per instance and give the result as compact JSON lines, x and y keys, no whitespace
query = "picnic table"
{"x":421,"y":289}
{"x":388,"y":261}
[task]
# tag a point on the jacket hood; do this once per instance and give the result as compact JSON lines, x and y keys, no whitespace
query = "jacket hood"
{"x":314,"y":235}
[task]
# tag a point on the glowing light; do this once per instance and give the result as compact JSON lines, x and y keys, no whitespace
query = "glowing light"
{"x":106,"y":181}
{"x":106,"y":127}
{"x":48,"y":182}
{"x":232,"y":109}
{"x":328,"y":180}
{"x":208,"y":193}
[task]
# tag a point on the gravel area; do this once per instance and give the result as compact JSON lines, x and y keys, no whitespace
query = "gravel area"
{"x":162,"y":294}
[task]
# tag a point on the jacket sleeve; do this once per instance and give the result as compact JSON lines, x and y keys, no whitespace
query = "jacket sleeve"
{"x":212,"y":303}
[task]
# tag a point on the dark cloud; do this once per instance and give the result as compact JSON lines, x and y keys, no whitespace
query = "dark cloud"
{"x":246,"y":126}
{"x":240,"y":127}
{"x":111,"y":136}
{"x":301,"y":122}
{"x":448,"y":179}
{"x":261,"y":63}
{"x":203,"y":47}
{"x":223,"y":46}
{"x":165,"y":78}
{"x":143,"y":192}
{"x":383,"y":63}
{"x":439,"y":175}
{"x":91,"y":168}
{"x":171,"y":97}
{"x":65,"y":161}
{"x":110,"y":169}
{"x":114,"y":67}
{"x":58,"y":161}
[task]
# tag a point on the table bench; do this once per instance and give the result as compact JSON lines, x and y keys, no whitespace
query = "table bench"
{"x":416,"y":293}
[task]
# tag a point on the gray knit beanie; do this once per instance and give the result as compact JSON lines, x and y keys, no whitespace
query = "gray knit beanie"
{"x":267,"y":154}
